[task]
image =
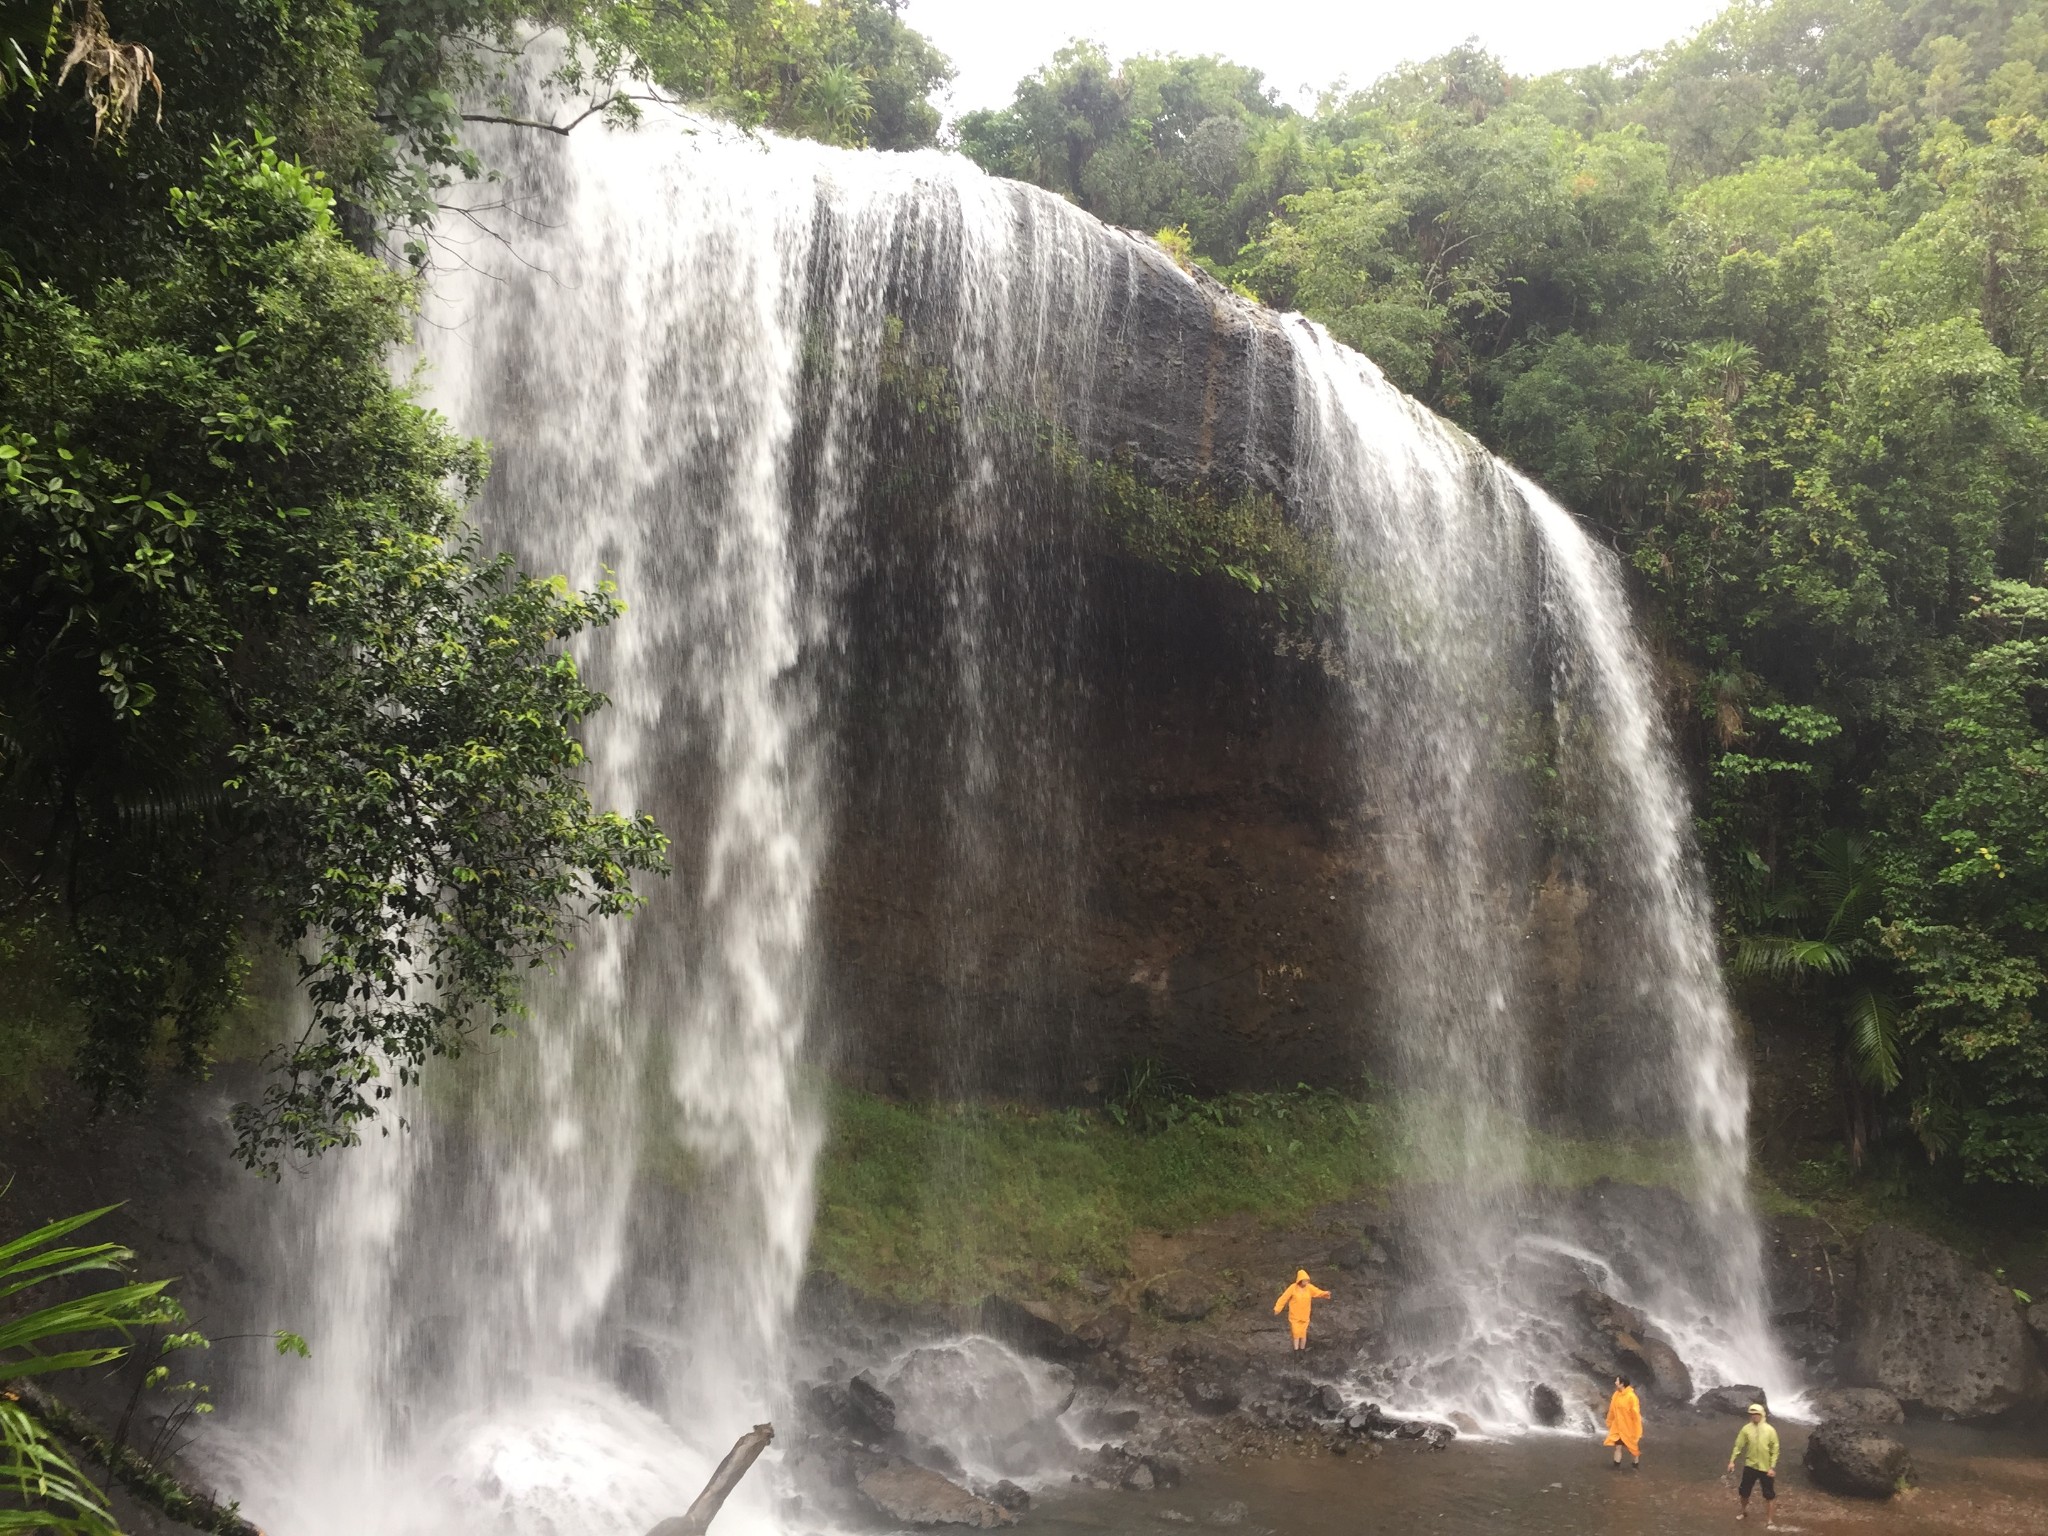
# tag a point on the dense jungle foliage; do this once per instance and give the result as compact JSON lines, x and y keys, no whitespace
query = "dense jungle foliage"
{"x":254,"y":673}
{"x":1769,"y":308}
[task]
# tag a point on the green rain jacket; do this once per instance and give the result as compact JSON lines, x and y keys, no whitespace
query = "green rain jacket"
{"x":1756,"y":1445}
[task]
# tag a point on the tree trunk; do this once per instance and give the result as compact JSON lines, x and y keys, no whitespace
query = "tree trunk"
{"x":744,"y":1453}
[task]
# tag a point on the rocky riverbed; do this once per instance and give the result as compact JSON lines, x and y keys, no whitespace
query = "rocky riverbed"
{"x":1168,"y":1376}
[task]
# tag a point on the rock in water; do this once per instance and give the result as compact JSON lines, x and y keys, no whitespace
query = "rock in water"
{"x":1545,"y":1406}
{"x":1735,"y":1400}
{"x":1180,"y":1298}
{"x":1856,"y":1405}
{"x":904,"y":1491}
{"x":1010,"y":1496}
{"x":1938,"y":1334}
{"x":1848,"y":1458}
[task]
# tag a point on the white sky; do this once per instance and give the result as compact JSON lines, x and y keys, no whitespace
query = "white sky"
{"x":1298,"y":43}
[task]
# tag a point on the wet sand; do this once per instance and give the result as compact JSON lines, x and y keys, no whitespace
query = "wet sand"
{"x":1971,"y":1481}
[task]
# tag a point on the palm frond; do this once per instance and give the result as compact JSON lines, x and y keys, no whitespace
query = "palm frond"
{"x":1874,"y":1039}
{"x":1774,"y":954}
{"x":47,"y":1485}
{"x":41,"y":1488}
{"x":1842,"y":880}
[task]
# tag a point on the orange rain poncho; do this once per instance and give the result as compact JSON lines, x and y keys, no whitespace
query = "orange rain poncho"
{"x":1625,"y":1420}
{"x":1297,"y":1299}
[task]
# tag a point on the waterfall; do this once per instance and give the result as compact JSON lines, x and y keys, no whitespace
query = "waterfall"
{"x":798,"y":402}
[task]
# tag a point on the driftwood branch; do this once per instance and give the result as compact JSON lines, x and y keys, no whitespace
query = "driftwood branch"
{"x":744,"y":1453}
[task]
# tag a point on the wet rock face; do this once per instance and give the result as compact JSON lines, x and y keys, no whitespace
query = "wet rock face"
{"x":1546,"y":1407}
{"x":1200,"y":388}
{"x":1809,"y":1269}
{"x":1938,"y":1334}
{"x":1863,"y":1463}
{"x":1856,"y":1405}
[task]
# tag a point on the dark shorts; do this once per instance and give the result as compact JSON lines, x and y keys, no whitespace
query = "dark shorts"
{"x":1751,"y":1476}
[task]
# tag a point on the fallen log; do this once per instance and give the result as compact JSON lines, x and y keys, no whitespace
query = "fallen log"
{"x":744,"y":1453}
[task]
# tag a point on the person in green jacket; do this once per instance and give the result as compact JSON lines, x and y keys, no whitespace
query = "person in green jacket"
{"x":1756,"y":1447}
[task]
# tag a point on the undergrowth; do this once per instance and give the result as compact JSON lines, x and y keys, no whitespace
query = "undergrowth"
{"x":949,"y":1202}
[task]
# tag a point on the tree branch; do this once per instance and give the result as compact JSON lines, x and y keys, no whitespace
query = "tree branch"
{"x":390,"y":119}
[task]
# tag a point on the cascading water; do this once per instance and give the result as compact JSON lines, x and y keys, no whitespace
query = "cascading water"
{"x":800,"y":402}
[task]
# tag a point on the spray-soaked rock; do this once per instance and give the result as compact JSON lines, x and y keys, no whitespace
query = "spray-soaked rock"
{"x":1545,"y":1406}
{"x":867,"y":1399}
{"x":1935,"y":1331}
{"x":1855,"y":1405}
{"x":995,"y":1409}
{"x":916,"y":1495}
{"x":1010,"y":1496}
{"x":1622,"y":1343}
{"x":1856,"y":1460}
{"x":1733,"y":1400}
{"x":1027,"y":1325}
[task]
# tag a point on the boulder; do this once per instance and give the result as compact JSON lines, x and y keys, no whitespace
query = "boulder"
{"x":871,"y":1403}
{"x":1010,"y":1496}
{"x":1733,"y":1400}
{"x":1029,"y":1326}
{"x":902,"y":1490}
{"x":1545,"y":1406}
{"x":1936,"y":1332}
{"x":1360,"y":1253}
{"x":1855,"y":1405}
{"x":1103,"y":1423}
{"x":1624,"y":1344}
{"x":1121,"y":1467}
{"x":1105,"y":1331}
{"x":1670,"y":1381}
{"x":1208,"y":1388}
{"x":992,"y":1405}
{"x":1852,"y":1459}
{"x":1329,"y":1402}
{"x":1180,"y":1297}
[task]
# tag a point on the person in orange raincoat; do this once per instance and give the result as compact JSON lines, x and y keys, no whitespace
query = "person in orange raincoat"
{"x":1297,"y":1299}
{"x":1625,"y":1421}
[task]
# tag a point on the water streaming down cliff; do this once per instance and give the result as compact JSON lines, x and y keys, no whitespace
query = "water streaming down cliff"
{"x":803,"y":404}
